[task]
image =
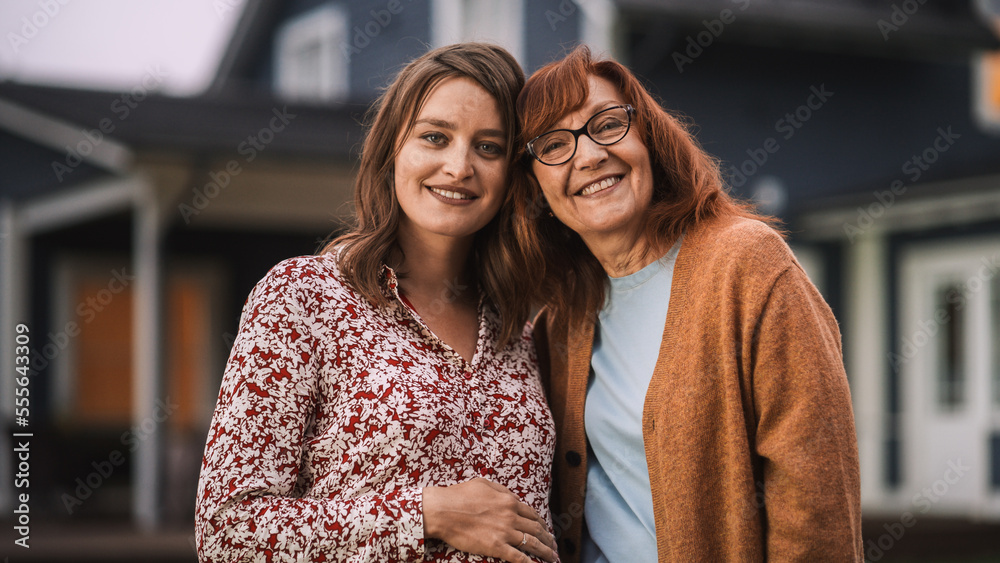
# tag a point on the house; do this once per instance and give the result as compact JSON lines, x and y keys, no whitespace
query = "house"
{"x":135,"y":224}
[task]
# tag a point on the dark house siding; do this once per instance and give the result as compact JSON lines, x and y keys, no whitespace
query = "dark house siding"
{"x":27,"y":168}
{"x":551,"y":28}
{"x":882,"y":113}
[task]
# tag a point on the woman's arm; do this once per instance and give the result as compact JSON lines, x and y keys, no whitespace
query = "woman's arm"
{"x":250,"y":491}
{"x":805,"y":427}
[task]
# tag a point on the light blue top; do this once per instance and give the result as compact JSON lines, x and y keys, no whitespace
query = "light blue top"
{"x":619,"y":505}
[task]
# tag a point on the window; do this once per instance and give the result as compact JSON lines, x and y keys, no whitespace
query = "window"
{"x":310,"y":65}
{"x":94,"y":372}
{"x":473,"y":20}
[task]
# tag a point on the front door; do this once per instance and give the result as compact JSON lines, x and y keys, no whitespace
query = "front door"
{"x":947,"y":358}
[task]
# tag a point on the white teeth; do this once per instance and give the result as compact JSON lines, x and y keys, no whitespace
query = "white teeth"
{"x":449,"y":194}
{"x":602,"y":185}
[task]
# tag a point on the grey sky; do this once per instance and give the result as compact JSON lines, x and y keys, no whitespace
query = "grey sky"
{"x":112,"y":44}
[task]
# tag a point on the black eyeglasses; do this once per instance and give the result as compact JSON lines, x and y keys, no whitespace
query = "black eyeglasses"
{"x":606,"y":127}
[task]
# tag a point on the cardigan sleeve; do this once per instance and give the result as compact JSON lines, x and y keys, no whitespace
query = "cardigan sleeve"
{"x":805,"y":432}
{"x":250,"y":505}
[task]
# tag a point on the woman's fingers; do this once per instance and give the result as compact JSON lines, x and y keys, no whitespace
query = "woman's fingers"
{"x":541,"y":530}
{"x":513,"y":555}
{"x":535,"y":542}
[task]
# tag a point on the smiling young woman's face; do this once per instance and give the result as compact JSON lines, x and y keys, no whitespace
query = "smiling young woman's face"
{"x":603,"y":190}
{"x":451,"y":168}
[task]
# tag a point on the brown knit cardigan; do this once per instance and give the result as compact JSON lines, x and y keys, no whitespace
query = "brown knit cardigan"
{"x":747,"y":423}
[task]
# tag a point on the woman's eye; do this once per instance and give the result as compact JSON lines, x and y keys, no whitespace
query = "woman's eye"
{"x":435,"y":138}
{"x":490,"y":148}
{"x":552,"y":147}
{"x":610,"y":124}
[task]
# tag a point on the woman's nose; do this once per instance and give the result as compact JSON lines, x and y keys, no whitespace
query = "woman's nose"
{"x":588,"y":153}
{"x":457,"y":162}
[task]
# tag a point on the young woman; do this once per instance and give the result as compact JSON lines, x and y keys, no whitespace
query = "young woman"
{"x":381,"y":402}
{"x":694,"y":372}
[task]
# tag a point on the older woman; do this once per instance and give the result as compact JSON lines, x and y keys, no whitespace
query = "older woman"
{"x":382,"y":400}
{"x":694,"y":372}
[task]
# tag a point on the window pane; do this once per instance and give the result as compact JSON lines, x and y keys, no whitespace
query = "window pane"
{"x":103,"y":362}
{"x":995,"y":461}
{"x":951,"y":343}
{"x":995,"y":338}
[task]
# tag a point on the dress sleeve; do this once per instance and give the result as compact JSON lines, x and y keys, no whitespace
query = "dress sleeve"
{"x":805,"y":427}
{"x":251,"y":503}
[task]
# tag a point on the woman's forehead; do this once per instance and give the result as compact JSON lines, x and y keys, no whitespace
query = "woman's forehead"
{"x":598,"y":92}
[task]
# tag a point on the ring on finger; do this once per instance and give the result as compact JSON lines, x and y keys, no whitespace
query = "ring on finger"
{"x":524,"y":539}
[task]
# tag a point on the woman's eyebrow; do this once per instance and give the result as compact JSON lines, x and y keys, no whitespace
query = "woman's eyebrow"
{"x":444,"y":124}
{"x":605,"y":104}
{"x":436,"y":122}
{"x":591,"y":109}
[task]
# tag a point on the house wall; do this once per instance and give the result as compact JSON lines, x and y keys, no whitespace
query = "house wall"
{"x":881,"y":113}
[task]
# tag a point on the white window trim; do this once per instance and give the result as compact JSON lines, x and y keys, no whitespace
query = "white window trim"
{"x":327,"y":26}
{"x":450,"y":23}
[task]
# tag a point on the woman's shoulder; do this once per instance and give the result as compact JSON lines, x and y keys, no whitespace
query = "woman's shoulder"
{"x":748,"y":252}
{"x":738,"y":231}
{"x":306,"y":279}
{"x":305,"y":270}
{"x":743,"y":237}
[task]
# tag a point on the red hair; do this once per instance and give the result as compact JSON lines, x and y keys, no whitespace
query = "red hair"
{"x":687,"y":184}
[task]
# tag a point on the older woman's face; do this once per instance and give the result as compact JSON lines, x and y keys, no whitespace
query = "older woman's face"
{"x":603,"y":190}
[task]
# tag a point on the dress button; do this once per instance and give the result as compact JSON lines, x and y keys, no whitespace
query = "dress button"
{"x":573,"y":458}
{"x":468,"y":374}
{"x":568,"y":546}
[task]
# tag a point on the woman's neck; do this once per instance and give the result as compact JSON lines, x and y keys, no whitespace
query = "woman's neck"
{"x":622,"y":254}
{"x":434,"y":267}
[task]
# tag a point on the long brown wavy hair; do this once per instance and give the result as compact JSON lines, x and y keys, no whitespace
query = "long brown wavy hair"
{"x":687,"y":184}
{"x":497,"y":261}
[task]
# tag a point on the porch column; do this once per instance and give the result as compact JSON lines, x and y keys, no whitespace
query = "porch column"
{"x":12,"y":311}
{"x":867,"y":332}
{"x":597,"y":25}
{"x":147,"y":359}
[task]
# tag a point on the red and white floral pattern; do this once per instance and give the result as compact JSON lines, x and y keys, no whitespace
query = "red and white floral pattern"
{"x":333,"y":415}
